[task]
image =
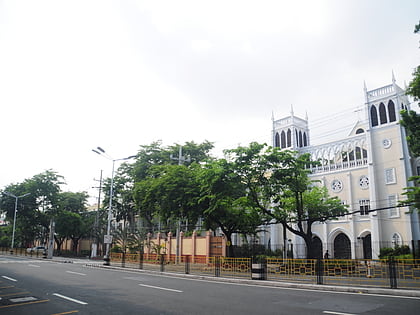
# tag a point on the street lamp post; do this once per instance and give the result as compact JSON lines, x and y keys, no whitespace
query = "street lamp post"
{"x":108,"y":237}
{"x":14,"y":217}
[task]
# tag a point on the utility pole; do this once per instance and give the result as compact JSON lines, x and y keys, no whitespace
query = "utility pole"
{"x":181,"y":159}
{"x":95,"y":246}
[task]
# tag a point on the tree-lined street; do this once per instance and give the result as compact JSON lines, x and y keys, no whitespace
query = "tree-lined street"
{"x":50,"y":287}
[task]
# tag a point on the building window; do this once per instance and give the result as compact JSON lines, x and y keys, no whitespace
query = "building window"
{"x":336,"y":185}
{"x":277,"y":140}
{"x":359,"y":131}
{"x":364,"y":205}
{"x":392,"y":203}
{"x":283,"y":140}
{"x":305,"y":140}
{"x":396,"y":240}
{"x":364,"y":182}
{"x":289,"y":138}
{"x":382,"y":114}
{"x":300,"y":139}
{"x":391,"y":111}
{"x":387,"y":143}
{"x":390,"y":176}
{"x":373,"y":116}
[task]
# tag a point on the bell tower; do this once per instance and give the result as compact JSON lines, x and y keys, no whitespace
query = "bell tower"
{"x":290,"y":132}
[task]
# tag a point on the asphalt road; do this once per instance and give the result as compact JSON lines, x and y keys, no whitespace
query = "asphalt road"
{"x":47,"y":287}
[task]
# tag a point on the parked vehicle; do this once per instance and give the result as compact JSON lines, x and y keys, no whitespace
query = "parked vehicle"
{"x":36,"y":249}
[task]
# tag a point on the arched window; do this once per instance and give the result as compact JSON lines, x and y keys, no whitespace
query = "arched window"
{"x":296,"y":138}
{"x":382,"y":114}
{"x":396,"y":240}
{"x":391,"y":111}
{"x":277,"y":140}
{"x":373,"y":116}
{"x":300,"y":139}
{"x":305,"y":140}
{"x":289,"y":138}
{"x":283,"y":139}
{"x":359,"y":131}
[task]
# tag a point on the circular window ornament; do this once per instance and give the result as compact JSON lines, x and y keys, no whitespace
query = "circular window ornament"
{"x":337,"y":185}
{"x":386,"y":143}
{"x":364,"y":182}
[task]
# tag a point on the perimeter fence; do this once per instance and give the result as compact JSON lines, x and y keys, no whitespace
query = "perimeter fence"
{"x":390,"y":273}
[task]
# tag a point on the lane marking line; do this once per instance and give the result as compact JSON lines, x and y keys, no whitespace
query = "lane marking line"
{"x":19,"y":304}
{"x":76,"y":273}
{"x":336,"y":313}
{"x":8,"y":278}
{"x":160,"y":288}
{"x":280,"y":288}
{"x":70,"y":312}
{"x":30,"y":265}
{"x":69,"y":299}
{"x":16,"y":293}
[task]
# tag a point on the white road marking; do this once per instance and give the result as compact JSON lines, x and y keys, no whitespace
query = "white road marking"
{"x":284,"y":288}
{"x":30,"y":265}
{"x":24,"y":299}
{"x":336,"y":313}
{"x":160,"y":288}
{"x":70,"y":299}
{"x":11,"y":279}
{"x":76,"y":273}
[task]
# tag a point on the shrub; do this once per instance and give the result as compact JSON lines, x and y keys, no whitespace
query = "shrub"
{"x":397,"y":252}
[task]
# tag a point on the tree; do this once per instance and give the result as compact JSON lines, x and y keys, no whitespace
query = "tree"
{"x":171,"y":193}
{"x":223,"y":198}
{"x":410,"y":119}
{"x":36,"y":209}
{"x":278,"y":186}
{"x":71,"y":210}
{"x":411,"y":122}
{"x":162,"y":188}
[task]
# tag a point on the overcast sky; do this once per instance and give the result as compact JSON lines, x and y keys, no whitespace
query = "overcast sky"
{"x":75,"y":75}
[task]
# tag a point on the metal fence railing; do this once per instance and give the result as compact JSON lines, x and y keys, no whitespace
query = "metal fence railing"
{"x":391,"y":273}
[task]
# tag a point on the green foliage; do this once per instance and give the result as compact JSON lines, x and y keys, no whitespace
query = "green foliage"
{"x":223,"y":198}
{"x":398,"y":252}
{"x":279,"y":188}
{"x":411,"y":122}
{"x":413,"y":193}
{"x":36,"y":209}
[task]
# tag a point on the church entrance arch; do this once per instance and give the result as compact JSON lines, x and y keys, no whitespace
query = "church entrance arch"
{"x":316,"y":247}
{"x":342,"y":248}
{"x":367,"y":246}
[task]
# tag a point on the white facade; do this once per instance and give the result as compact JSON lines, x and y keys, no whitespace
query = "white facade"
{"x":367,"y":170}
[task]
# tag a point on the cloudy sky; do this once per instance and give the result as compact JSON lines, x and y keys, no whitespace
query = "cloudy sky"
{"x":75,"y":75}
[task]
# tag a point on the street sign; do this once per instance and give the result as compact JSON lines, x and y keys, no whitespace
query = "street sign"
{"x":107,"y":239}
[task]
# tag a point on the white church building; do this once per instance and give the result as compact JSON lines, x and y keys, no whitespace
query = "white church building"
{"x":367,"y":170}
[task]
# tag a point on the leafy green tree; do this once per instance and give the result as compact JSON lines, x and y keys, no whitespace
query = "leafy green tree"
{"x":278,"y":186}
{"x":160,"y":183}
{"x":410,"y":119}
{"x":223,"y":198}
{"x":411,"y":122}
{"x":123,"y":205}
{"x":172,"y":193}
{"x":36,"y":209}
{"x":71,"y":209}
